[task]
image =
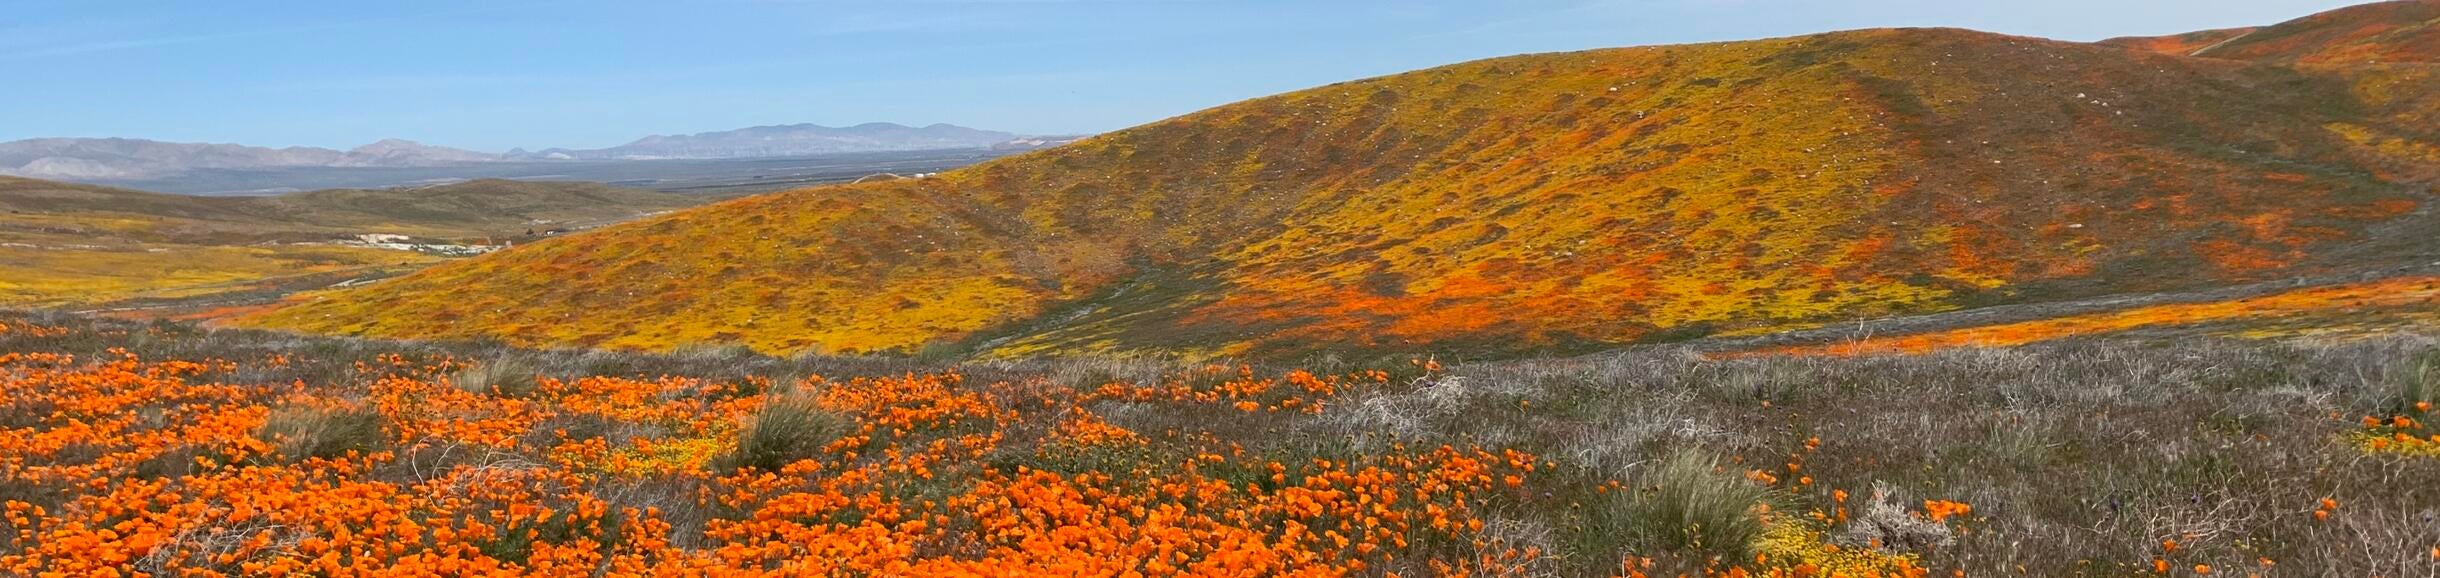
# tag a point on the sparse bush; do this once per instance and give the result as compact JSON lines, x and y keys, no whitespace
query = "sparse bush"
{"x":302,"y":433}
{"x":787,"y":430}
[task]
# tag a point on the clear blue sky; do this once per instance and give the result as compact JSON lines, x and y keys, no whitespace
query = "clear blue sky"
{"x":494,"y":74}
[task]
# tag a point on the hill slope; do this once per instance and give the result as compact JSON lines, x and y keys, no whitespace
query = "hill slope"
{"x":2386,"y":32}
{"x":1525,"y":203}
{"x":66,"y":244}
{"x":2180,"y":44}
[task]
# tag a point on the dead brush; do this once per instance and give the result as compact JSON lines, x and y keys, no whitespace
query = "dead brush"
{"x":1886,"y":525}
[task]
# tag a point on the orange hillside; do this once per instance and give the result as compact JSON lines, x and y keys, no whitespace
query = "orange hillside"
{"x":1553,"y":201}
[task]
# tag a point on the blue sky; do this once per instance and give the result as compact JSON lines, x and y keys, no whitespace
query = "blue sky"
{"x":494,"y":74}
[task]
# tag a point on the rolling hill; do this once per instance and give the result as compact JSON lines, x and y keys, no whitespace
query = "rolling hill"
{"x":2180,"y":44}
{"x":82,"y":245}
{"x":2387,"y":32}
{"x":2380,"y":33}
{"x":1543,"y":202}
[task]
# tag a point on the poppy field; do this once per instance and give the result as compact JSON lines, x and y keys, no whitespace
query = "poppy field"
{"x":160,"y":449}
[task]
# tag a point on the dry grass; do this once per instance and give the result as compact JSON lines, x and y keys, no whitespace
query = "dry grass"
{"x":305,"y":433}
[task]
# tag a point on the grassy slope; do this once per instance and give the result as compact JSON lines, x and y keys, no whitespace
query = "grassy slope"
{"x":1554,"y":200}
{"x":71,"y":245}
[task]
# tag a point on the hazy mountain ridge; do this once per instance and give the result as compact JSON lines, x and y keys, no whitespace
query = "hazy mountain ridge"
{"x":105,"y":159}
{"x":1530,"y":203}
{"x":123,"y":158}
{"x":789,"y":140}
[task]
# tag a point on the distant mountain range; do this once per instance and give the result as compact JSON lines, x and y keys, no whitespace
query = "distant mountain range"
{"x":77,"y":159}
{"x":121,"y":158}
{"x":787,"y":141}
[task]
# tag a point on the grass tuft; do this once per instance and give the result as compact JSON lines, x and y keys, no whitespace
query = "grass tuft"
{"x":786,"y":431}
{"x":302,"y":433}
{"x":504,"y":376}
{"x":2418,"y":385}
{"x":1688,"y":504}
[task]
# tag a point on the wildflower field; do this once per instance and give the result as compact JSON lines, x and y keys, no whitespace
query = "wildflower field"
{"x":159,"y":449}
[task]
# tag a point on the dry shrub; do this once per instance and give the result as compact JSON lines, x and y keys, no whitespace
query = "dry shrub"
{"x":1886,"y":524}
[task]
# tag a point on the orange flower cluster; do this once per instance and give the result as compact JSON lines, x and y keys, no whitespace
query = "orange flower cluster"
{"x":1941,"y":510}
{"x":2405,"y":434}
{"x":1800,"y":546}
{"x":130,"y":467}
{"x":32,"y":330}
